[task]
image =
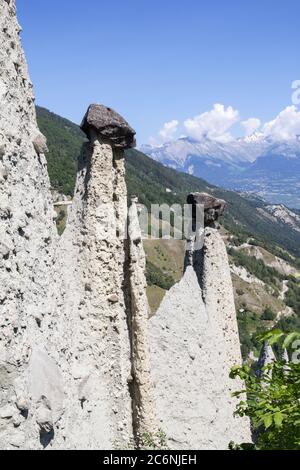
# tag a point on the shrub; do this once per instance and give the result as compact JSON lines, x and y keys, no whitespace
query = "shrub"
{"x":155,"y":276}
{"x":268,"y":314}
{"x":272,"y":400}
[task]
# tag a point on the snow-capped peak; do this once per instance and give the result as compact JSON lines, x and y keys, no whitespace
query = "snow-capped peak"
{"x":257,"y":137}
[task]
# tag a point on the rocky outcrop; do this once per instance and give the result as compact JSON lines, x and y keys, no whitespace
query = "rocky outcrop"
{"x":27,"y":235}
{"x":266,"y":358}
{"x":213,"y":208}
{"x":194,"y":343}
{"x":92,"y":255}
{"x":218,"y":296}
{"x":108,"y":125}
{"x":285,"y":215}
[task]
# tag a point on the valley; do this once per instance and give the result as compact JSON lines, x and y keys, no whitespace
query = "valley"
{"x":254,"y":164}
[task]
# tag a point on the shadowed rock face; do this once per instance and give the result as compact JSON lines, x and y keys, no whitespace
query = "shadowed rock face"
{"x":213,"y":207}
{"x":109,"y":125}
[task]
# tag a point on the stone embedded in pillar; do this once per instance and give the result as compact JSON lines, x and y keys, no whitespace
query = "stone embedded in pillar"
{"x":109,"y":125}
{"x":213,"y":207}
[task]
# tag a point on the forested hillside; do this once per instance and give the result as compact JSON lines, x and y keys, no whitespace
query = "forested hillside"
{"x":64,"y":140}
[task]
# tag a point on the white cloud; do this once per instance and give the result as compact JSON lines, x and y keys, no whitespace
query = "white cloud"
{"x":285,"y":126}
{"x":217,"y":123}
{"x":251,"y":125}
{"x":152,"y":141}
{"x":213,"y":124}
{"x":169,"y":130}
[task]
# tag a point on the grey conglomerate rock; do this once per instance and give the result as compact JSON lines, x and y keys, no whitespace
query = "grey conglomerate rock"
{"x":213,"y":207}
{"x":110,"y":392}
{"x":109,"y":125}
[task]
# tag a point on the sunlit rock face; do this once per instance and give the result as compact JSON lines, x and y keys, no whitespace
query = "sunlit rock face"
{"x":194,"y":343}
{"x":96,"y":299}
{"x":27,"y":237}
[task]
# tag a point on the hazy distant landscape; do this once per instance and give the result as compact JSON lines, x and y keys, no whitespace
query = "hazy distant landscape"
{"x":270,"y":169}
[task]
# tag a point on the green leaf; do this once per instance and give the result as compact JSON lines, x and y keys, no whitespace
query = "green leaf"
{"x":269,"y":334}
{"x":275,"y":338}
{"x":289,"y":339}
{"x":278,"y":418}
{"x":268,"y":421}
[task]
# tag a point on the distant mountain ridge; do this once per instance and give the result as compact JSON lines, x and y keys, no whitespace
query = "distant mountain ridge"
{"x":253,"y":164}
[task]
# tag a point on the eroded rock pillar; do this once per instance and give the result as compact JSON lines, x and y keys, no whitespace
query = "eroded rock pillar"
{"x":194,"y":343}
{"x":142,"y":391}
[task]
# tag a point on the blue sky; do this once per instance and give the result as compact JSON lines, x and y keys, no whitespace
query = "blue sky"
{"x":157,"y":61}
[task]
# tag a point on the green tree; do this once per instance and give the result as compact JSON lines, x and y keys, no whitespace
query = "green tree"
{"x":272,"y":400}
{"x":268,"y":314}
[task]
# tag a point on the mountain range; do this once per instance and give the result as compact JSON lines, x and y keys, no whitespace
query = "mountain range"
{"x":254,"y":164}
